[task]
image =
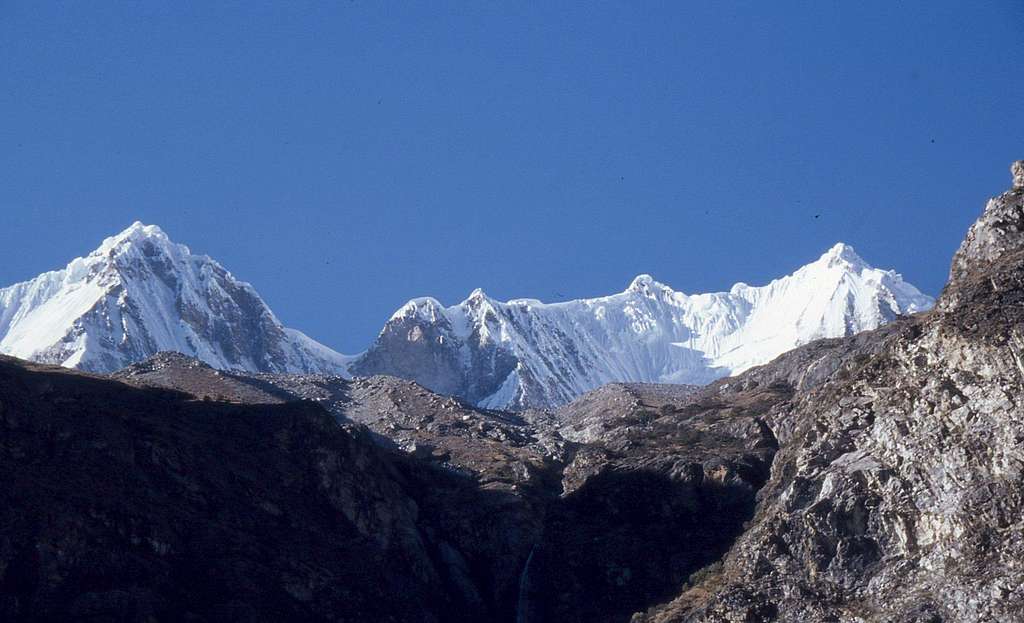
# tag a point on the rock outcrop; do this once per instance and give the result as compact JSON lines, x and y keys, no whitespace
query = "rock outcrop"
{"x":897,"y":491}
{"x":998,"y":234}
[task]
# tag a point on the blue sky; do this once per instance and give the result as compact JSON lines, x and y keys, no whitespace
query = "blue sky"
{"x":345,"y":157}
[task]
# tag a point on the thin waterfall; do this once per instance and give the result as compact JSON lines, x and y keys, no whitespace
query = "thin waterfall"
{"x":522,"y":604}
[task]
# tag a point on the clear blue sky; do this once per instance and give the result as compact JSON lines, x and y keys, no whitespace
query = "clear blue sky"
{"x":344,"y":157}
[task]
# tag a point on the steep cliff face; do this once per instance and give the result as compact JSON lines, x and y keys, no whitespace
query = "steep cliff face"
{"x":897,"y":491}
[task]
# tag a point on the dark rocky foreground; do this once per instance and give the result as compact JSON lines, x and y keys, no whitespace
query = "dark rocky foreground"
{"x":128,"y":502}
{"x":872,"y":478}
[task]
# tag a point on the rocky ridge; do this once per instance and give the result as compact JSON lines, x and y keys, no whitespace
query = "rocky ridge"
{"x":896,"y":493}
{"x":499,"y":449}
{"x":576,"y":518}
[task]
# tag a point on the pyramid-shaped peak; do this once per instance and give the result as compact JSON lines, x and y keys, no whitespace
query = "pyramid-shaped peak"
{"x":477,"y":294}
{"x":135,"y":233}
{"x":842,"y":252}
{"x":138,"y":294}
{"x":139,"y":230}
{"x":423,"y":307}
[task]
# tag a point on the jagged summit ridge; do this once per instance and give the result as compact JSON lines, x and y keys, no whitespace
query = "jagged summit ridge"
{"x":842,"y":252}
{"x":526,"y":353}
{"x":135,"y":233}
{"x":139,"y":293}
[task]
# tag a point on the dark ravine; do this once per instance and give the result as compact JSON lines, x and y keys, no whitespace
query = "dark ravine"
{"x":873,"y":478}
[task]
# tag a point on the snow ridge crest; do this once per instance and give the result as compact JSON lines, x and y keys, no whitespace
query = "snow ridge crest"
{"x":536,"y":354}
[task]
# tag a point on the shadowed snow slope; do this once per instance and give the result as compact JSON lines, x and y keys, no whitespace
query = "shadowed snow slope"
{"x":140,"y":293}
{"x":525,"y":353}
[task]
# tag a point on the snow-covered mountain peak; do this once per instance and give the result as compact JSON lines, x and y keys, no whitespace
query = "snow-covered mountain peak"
{"x":641,"y":282}
{"x":139,"y":293}
{"x":140,"y":231}
{"x":425,"y":307}
{"x":525,"y":353}
{"x":647,"y":286}
{"x":134,"y":235}
{"x":477,"y":296}
{"x":842,"y":254}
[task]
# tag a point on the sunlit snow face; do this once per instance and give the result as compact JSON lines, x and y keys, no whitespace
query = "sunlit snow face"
{"x":140,"y":293}
{"x":650,"y":333}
